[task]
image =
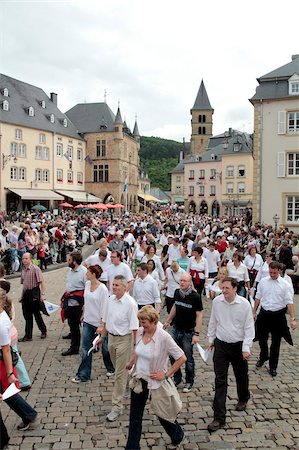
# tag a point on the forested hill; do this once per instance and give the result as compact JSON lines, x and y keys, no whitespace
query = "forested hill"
{"x":158,"y":157}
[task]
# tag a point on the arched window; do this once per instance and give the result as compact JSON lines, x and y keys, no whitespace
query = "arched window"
{"x":5,"y":92}
{"x":204,"y":118}
{"x":38,"y":175}
{"x":199,"y":130}
{"x":199,"y":118}
{"x":45,"y":176}
{"x":31,"y":111}
{"x":22,"y":174}
{"x":5,"y":105}
{"x":203,"y":130}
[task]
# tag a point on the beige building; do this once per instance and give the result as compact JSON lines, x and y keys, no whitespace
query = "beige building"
{"x":42,"y":155}
{"x":276,"y":146}
{"x":201,"y":122}
{"x":112,"y":153}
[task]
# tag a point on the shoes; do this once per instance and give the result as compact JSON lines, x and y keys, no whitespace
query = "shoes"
{"x":43,"y":335}
{"x":241,"y":406}
{"x":176,"y":446}
{"x":25,"y":388}
{"x":273,"y":372}
{"x":215,"y":425}
{"x":24,"y":426}
{"x":24,"y":339}
{"x":113,"y":415}
{"x":260,"y":363}
{"x":67,"y":336}
{"x":76,"y":380}
{"x":110,"y":374}
{"x":187,"y":387}
{"x":70,"y":352}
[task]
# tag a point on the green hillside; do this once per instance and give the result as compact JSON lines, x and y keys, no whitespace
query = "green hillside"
{"x":158,"y":157}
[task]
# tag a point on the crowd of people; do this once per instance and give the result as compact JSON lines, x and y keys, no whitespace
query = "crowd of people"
{"x":115,"y":299}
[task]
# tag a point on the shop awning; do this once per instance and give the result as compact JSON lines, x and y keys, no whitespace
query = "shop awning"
{"x":149,"y":198}
{"x":179,"y":199}
{"x":36,"y":194}
{"x":80,"y":196}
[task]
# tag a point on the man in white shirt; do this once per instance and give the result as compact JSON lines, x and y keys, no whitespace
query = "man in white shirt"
{"x":231,"y":333}
{"x":121,"y":323}
{"x":174,"y":252}
{"x":274,"y":295}
{"x":117,"y":267}
{"x":146,"y":290}
{"x":213,"y":258}
{"x":100,"y":259}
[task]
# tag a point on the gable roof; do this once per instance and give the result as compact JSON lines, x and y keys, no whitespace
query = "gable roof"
{"x":92,"y":117}
{"x":285,"y":71}
{"x":202,"y":102}
{"x":21,"y":96}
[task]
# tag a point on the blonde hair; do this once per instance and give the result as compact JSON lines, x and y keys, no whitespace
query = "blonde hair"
{"x":149,"y":313}
{"x":222,"y":269}
{"x":174,"y":265}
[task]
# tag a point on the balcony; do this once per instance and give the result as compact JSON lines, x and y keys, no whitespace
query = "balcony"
{"x":201,"y":178}
{"x":190,"y":195}
{"x":80,"y":182}
{"x":212,"y":195}
{"x":191,"y":178}
{"x":201,"y":195}
{"x":70,"y":181}
{"x":59,"y":180}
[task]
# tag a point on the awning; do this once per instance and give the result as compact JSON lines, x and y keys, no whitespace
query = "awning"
{"x":179,"y":199}
{"x":234,"y":203}
{"x":80,"y":196}
{"x":36,"y":194}
{"x":149,"y":198}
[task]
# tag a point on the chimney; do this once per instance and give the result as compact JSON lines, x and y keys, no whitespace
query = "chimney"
{"x":53,"y":98}
{"x":294,"y":57}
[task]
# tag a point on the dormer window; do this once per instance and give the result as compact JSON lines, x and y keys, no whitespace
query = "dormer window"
{"x":236,"y":146}
{"x":225,"y":143}
{"x":5,"y":105}
{"x":212,"y":157}
{"x":43,"y":104}
{"x":65,"y":123}
{"x":31,"y":111}
{"x":294,"y":85}
{"x":52,"y":118}
{"x":5,"y":92}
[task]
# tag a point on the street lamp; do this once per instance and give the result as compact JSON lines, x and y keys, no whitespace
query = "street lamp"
{"x":276,"y":219}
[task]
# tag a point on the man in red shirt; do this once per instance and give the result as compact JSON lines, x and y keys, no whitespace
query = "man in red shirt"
{"x":221,"y":244}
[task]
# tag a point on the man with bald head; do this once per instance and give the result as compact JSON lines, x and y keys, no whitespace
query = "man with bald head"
{"x":33,"y":292}
{"x":186,"y":317}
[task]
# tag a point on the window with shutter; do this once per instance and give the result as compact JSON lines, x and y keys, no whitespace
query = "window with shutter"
{"x":281,"y":164}
{"x":281,"y":122}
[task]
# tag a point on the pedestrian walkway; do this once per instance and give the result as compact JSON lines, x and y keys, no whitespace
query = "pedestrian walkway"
{"x":73,"y":416}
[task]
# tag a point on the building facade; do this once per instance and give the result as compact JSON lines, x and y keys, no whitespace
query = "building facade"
{"x":41,"y":150}
{"x":276,"y":146}
{"x":112,"y":153}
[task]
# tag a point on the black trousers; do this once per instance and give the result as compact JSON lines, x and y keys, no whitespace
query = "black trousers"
{"x":269,"y":322}
{"x":31,"y":308}
{"x":138,"y":401}
{"x":4,"y":438}
{"x":199,"y":287}
{"x":74,"y":314}
{"x":224,"y":355}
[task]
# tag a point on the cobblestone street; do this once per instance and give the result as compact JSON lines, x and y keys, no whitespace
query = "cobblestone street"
{"x":74,"y":416}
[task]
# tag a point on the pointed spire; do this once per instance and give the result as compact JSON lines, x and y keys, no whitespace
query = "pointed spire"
{"x":118,"y":118}
{"x":202,"y":101}
{"x":136,"y":131}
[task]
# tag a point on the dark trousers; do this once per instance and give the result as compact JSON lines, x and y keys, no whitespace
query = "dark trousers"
{"x":138,"y":401}
{"x":169,"y":301}
{"x":74,"y":314}
{"x":150,"y":304}
{"x":19,"y":405}
{"x":32,"y":308}
{"x":4,"y":438}
{"x":184,"y":340}
{"x":273,"y":323}
{"x":224,"y":355}
{"x":199,"y":287}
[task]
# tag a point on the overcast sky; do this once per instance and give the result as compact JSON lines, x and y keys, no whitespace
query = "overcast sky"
{"x":150,"y":56}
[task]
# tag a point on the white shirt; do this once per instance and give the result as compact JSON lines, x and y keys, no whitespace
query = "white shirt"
{"x":158,"y":264}
{"x":130,"y":239}
{"x":146,"y":291}
{"x":95,"y":304}
{"x":232,"y":322}
{"x":95,"y":260}
{"x":5,"y":327}
{"x":288,"y":279}
{"x":253,"y":262}
{"x":163,"y":240}
{"x":240,"y":273}
{"x":212,"y":258}
{"x":174,"y":253}
{"x":144,"y":355}
{"x":274,"y":294}
{"x":263,"y":272}
{"x":121,"y":269}
{"x":173,"y":280}
{"x":201,"y":266}
{"x":120,"y":315}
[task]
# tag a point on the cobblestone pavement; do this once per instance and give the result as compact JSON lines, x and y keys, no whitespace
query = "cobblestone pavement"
{"x":74,"y":416}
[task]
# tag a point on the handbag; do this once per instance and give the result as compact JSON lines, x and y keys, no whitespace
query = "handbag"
{"x":14,"y":356}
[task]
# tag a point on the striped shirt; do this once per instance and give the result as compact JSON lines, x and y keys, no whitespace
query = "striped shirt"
{"x":31,"y":277}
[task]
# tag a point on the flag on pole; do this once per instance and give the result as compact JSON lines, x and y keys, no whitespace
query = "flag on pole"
{"x":88,"y":159}
{"x":66,"y":156}
{"x":125,"y":184}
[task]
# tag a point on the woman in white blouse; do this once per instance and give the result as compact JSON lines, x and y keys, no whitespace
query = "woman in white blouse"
{"x":150,"y":253}
{"x":198,"y":269}
{"x":152,"y":271}
{"x":172,"y":282}
{"x":216,"y":288}
{"x":253,"y":261}
{"x":152,"y":374}
{"x":238,"y":270}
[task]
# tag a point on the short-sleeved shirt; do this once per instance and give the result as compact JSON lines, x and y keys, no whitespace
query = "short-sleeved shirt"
{"x":31,"y":277}
{"x":5,"y":327}
{"x":186,"y":309}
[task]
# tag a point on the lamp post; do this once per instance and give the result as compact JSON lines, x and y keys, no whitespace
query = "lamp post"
{"x":276,"y":219}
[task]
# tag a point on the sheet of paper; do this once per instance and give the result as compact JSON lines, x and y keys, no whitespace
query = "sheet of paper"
{"x":94,"y":345}
{"x":51,"y":307}
{"x":10,"y":391}
{"x":206,"y":355}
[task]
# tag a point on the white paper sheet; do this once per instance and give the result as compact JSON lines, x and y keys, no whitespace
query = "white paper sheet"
{"x":51,"y":307}
{"x":206,"y":355}
{"x":10,"y":391}
{"x":94,"y":345}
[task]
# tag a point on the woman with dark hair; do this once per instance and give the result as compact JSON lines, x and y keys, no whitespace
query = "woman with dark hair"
{"x":95,"y":300}
{"x":238,"y":270}
{"x":198,"y":269}
{"x":151,"y":266}
{"x":253,"y":261}
{"x":150,"y":253}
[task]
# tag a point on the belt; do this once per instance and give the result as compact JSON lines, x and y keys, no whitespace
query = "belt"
{"x":119,"y":335}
